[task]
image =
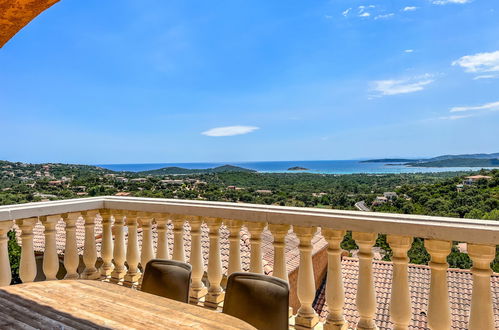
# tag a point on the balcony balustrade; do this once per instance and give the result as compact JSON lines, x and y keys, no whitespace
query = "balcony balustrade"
{"x":122,"y":257}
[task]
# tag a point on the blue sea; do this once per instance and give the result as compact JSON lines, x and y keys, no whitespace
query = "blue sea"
{"x":319,"y":166}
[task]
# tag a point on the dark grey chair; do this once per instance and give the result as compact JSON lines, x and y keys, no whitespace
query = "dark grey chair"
{"x":260,"y":300}
{"x":167,"y":278}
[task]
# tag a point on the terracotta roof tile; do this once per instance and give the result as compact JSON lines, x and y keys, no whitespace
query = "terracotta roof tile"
{"x":460,"y":287}
{"x":292,"y":252}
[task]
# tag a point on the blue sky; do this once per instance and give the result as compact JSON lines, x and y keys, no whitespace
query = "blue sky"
{"x":231,"y":80}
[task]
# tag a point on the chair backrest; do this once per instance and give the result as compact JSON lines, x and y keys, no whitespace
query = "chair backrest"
{"x":167,"y":278}
{"x":260,"y":300}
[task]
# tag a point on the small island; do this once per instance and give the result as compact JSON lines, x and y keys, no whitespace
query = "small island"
{"x":297,"y":168}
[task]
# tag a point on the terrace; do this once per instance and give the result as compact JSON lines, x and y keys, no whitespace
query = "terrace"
{"x":360,"y":293}
{"x":165,"y":225}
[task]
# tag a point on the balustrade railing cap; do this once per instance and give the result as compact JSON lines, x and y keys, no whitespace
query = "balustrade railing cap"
{"x":441,"y":228}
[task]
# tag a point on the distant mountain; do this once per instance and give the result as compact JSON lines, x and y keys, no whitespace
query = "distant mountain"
{"x":457,"y":162}
{"x":180,"y":170}
{"x":474,"y":156}
{"x":438,"y":158}
{"x":390,"y":160}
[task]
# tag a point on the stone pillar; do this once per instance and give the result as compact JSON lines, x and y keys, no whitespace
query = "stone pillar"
{"x":400,"y":301}
{"x":132,"y":251}
{"x":27,"y":267}
{"x":279,"y":232}
{"x":482,"y":312}
{"x":50,"y":257}
{"x":366,"y":295}
{"x":306,"y":317}
{"x":71,"y":258}
{"x":89,"y":249}
{"x":5,"y":271}
{"x":215,"y":293}
{"x":107,"y":244}
{"x":178,"y":237}
{"x":335,"y":295}
{"x":147,"y":253}
{"x":198,"y":289}
{"x":438,"y":306}
{"x":162,"y":229}
{"x":119,"y":254}
{"x":234,"y":227}
{"x":255,"y":229}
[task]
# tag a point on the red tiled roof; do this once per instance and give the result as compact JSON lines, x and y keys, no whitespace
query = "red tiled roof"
{"x":292,"y":252}
{"x":460,"y":287}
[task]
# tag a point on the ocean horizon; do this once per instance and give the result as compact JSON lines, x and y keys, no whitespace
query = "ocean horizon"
{"x":318,"y":167}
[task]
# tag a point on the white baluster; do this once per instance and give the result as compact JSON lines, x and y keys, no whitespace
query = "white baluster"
{"x":90,"y":247}
{"x":161,"y":227}
{"x":307,"y":317}
{"x":27,"y":267}
{"x":119,"y":251}
{"x":335,"y":295}
{"x":107,"y":243}
{"x":132,"y":252}
{"x":5,"y":271}
{"x":366,"y":295}
{"x":215,"y":293}
{"x":71,"y":258}
{"x":178,"y":237}
{"x":255,"y":229}
{"x":482,"y":312}
{"x":234,"y":227}
{"x":400,"y":301}
{"x":50,"y":257}
{"x":147,"y":253}
{"x":279,"y":232}
{"x":438,"y":306}
{"x":198,"y":289}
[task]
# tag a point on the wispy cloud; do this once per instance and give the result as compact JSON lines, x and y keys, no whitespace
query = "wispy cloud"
{"x":362,"y":10}
{"x":486,"y":76}
{"x":409,"y":8}
{"x":401,"y":86}
{"x":454,"y":117}
{"x":384,"y":16}
{"x":346,"y":11}
{"x":493,"y":106}
{"x":409,"y":51}
{"x":444,"y":2}
{"x":480,"y":63}
{"x":230,"y":130}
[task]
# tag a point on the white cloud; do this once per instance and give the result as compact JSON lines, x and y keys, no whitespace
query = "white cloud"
{"x":486,"y":76}
{"x":385,"y":16}
{"x":410,"y":8}
{"x":401,"y":86}
{"x":479,"y":63}
{"x":454,"y":117}
{"x":444,"y":2}
{"x":230,"y":130}
{"x":328,"y":16}
{"x":346,"y":11}
{"x":409,"y":51}
{"x":493,"y":106}
{"x":365,"y":14}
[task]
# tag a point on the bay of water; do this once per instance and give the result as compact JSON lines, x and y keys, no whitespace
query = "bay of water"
{"x":320,"y":166}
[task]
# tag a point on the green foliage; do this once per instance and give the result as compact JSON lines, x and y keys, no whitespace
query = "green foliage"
{"x":14,"y":256}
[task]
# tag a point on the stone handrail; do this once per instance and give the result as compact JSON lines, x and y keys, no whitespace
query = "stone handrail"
{"x":122,"y":262}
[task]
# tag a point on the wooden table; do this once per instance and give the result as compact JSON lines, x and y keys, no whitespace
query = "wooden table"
{"x":84,"y":304}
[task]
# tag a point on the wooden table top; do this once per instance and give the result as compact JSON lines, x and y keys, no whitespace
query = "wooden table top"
{"x":81,"y":304}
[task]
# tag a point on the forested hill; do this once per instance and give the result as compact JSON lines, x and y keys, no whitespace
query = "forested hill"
{"x":459,"y":159}
{"x":457,"y":162}
{"x":180,"y":170}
